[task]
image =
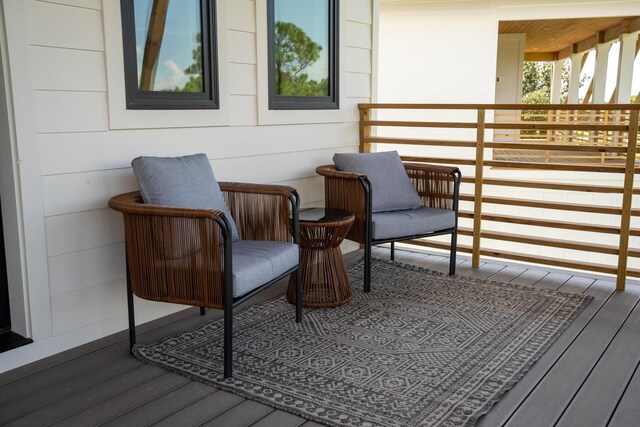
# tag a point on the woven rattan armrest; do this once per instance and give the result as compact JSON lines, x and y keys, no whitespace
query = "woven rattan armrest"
{"x":431,"y":168}
{"x":330,"y":171}
{"x":265,"y":189}
{"x":132,"y":204}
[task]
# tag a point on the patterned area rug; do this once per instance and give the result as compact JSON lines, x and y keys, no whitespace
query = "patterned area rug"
{"x":421,"y":349}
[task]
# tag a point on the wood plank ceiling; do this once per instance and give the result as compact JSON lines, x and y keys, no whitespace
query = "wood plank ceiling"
{"x":557,"y":38}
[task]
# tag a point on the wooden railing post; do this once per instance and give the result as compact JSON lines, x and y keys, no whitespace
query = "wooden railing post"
{"x":477,"y":204}
{"x":627,"y":199}
{"x":365,"y":130}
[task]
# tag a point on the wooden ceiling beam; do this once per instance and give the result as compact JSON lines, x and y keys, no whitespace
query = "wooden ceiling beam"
{"x":587,"y":44}
{"x":540,"y":56}
{"x":566,"y":52}
{"x":627,"y":26}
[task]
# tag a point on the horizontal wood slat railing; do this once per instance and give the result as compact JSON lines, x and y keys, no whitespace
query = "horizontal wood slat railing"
{"x":570,"y":133}
{"x":606,"y":138}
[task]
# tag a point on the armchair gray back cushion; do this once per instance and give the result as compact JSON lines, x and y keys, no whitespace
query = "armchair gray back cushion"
{"x":391,"y":188}
{"x":184,"y":182}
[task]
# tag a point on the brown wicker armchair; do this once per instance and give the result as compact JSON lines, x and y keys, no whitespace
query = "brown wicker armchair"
{"x":438,"y":186}
{"x":184,"y":256}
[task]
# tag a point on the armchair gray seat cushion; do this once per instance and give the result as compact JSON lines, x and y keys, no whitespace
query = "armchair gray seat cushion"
{"x":183,"y":182}
{"x":256,"y":262}
{"x":411,"y":222}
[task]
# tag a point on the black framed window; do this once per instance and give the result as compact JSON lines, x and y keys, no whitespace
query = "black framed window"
{"x":170,"y":56}
{"x":303,"y":54}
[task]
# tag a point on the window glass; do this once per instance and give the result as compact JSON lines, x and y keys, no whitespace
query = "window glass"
{"x":170,"y":54}
{"x":302,"y":47}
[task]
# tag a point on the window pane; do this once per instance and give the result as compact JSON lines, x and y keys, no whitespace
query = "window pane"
{"x":168,"y":45}
{"x":301,"y":47}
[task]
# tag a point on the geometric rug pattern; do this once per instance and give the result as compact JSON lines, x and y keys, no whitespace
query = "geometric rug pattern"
{"x":421,"y":349}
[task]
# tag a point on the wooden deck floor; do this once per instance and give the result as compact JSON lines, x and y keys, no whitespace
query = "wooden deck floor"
{"x":589,"y":377}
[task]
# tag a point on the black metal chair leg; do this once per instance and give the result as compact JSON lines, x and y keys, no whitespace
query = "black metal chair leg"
{"x":202,"y":311}
{"x":367,"y":267}
{"x":452,"y":255}
{"x":393,"y":251}
{"x":130,"y":312}
{"x":298,"y":295}
{"x":228,"y":342}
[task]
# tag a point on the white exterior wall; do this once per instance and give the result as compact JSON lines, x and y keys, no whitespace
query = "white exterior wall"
{"x":446,"y":52}
{"x":74,"y":142}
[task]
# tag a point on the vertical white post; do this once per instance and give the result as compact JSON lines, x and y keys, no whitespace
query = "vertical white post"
{"x":556,"y":81}
{"x":625,"y":67}
{"x":600,"y":72}
{"x":574,"y":78}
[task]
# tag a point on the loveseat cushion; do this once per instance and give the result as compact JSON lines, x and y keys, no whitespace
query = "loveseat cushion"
{"x":184,"y":182}
{"x":391,"y":187}
{"x":257,"y":262}
{"x":410,"y":222}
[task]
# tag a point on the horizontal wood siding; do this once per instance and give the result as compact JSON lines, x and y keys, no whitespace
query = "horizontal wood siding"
{"x":84,"y":162}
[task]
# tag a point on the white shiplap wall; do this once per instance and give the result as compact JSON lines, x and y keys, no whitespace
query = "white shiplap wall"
{"x":83,"y":160}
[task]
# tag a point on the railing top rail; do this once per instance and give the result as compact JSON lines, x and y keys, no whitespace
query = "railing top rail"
{"x":589,"y":107}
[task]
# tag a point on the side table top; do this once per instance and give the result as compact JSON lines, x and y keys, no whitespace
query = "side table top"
{"x":323,"y":215}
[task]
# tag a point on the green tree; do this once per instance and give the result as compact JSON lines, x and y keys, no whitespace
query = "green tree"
{"x":536,"y":77}
{"x":536,"y":89}
{"x":193,"y":71}
{"x":540,"y":96}
{"x":295,"y":52}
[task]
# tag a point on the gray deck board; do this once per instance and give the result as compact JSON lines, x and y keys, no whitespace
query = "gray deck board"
{"x":126,"y":401}
{"x":487,"y":270}
{"x":501,"y":412}
{"x":243,"y":414}
{"x":530,"y":277}
{"x":628,"y":411}
{"x":443,"y":265}
{"x":201,"y":410}
{"x":553,"y":280}
{"x":431,"y":260}
{"x":545,"y":405}
{"x":507,"y":274}
{"x":279,"y":419}
{"x":59,"y":373}
{"x":464,"y":268}
{"x":402,"y":256}
{"x":77,"y":402}
{"x":609,"y":378}
{"x":588,"y":376}
{"x":576,"y":284}
{"x":23,"y":405}
{"x":163,"y":406}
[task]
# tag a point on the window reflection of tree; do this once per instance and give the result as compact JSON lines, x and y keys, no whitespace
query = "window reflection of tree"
{"x":295,"y":53}
{"x":194,"y":71}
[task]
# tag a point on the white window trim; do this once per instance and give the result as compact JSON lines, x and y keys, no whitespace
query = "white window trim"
{"x":121,"y":118}
{"x":277,"y":117}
